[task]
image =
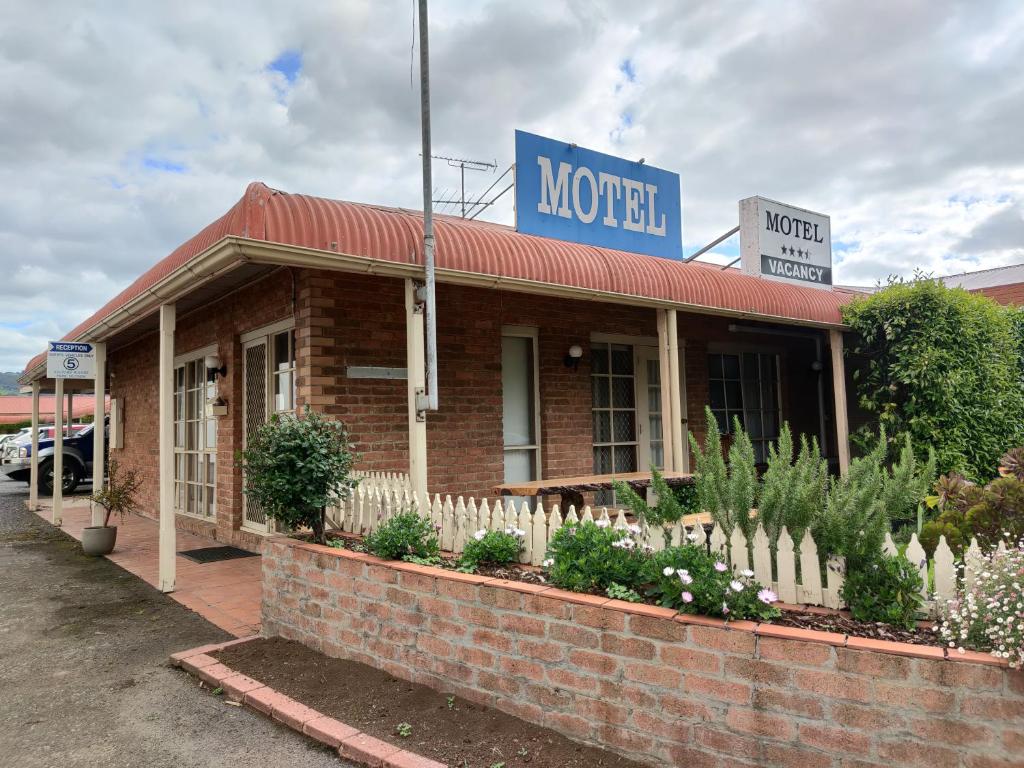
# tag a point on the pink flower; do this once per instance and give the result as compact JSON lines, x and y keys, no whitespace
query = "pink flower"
{"x":767,"y":596}
{"x":687,"y":597}
{"x":721,"y":567}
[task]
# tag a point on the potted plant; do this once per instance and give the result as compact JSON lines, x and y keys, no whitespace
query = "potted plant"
{"x":118,"y":496}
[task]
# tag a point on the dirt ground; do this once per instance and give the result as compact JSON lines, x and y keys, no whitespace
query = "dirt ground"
{"x":445,"y":728}
{"x":84,"y":679}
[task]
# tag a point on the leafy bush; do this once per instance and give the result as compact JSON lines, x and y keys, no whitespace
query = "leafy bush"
{"x":296,"y":467}
{"x":990,"y":615}
{"x":406,"y":535}
{"x":667,"y":510}
{"x":686,"y":497}
{"x":792,"y":492}
{"x":965,"y":399}
{"x":726,"y":491}
{"x":492,"y":548}
{"x":998,"y":513}
{"x":690,"y":580}
{"x":886,"y":589}
{"x":592,"y":556}
{"x":857,"y":515}
{"x":120,"y":495}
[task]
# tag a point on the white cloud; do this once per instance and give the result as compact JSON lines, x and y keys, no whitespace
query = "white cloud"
{"x":900,"y":120}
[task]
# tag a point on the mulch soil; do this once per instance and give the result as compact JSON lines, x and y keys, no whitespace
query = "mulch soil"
{"x":448,"y":729}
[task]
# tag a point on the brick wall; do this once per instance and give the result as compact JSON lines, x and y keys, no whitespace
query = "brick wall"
{"x":1004,"y":294}
{"x":134,"y":381}
{"x":358,"y":320}
{"x":638,"y":680}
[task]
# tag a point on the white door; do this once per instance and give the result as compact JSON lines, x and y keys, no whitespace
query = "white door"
{"x":651,"y":437}
{"x":254,"y":415}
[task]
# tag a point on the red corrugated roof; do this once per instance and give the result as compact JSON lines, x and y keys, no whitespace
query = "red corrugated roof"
{"x":395,"y":234}
{"x":15,"y":408}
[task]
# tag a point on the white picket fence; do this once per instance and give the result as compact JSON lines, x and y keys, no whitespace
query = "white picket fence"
{"x":379,"y":496}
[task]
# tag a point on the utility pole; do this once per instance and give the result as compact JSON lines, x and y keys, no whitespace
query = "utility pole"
{"x":429,"y":400}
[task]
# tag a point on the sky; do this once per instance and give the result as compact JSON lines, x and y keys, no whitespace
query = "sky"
{"x":127,"y":127}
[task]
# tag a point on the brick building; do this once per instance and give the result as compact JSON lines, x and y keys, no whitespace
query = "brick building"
{"x":555,"y":359}
{"x":1002,"y":284}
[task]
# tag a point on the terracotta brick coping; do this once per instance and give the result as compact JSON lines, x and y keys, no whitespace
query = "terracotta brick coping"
{"x":350,"y":743}
{"x":761,"y":629}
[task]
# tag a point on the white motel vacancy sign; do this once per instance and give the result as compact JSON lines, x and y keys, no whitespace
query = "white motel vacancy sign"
{"x":70,"y":360}
{"x":781,"y":242}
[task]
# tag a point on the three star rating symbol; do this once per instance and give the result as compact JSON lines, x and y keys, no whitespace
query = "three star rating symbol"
{"x":798,"y":252}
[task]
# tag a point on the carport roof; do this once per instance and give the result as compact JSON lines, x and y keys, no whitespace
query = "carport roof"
{"x":482,"y":248}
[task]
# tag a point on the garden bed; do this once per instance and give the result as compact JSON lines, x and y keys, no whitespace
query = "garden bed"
{"x":448,"y":729}
{"x":820,"y":619}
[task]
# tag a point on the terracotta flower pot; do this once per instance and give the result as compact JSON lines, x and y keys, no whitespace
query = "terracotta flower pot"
{"x":99,"y":539}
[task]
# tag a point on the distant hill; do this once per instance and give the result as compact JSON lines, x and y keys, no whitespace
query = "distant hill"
{"x":9,"y":383}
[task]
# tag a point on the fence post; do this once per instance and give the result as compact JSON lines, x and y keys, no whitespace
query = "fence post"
{"x":786,"y":564}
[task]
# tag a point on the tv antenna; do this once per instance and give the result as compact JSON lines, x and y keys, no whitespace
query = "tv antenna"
{"x":463,"y":164}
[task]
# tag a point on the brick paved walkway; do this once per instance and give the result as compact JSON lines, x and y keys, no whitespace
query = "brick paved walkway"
{"x":226,"y":594}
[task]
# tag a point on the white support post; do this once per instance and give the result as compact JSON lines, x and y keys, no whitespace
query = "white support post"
{"x":57,"y":516}
{"x":71,"y":415}
{"x":673,"y":367}
{"x":666,"y":391}
{"x":168,"y":533}
{"x":99,"y":431}
{"x":33,"y":473}
{"x":414,"y":359}
{"x":839,"y":391}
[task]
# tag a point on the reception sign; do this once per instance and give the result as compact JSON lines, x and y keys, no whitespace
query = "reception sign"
{"x":781,"y":242}
{"x":570,"y":193}
{"x":69,"y":360}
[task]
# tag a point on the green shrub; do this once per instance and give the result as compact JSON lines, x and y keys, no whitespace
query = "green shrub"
{"x":727,"y":491}
{"x":944,"y":366}
{"x":886,"y":589}
{"x":619,"y":592}
{"x":792,"y":492}
{"x":492,"y":548}
{"x":690,"y":580}
{"x":666,"y":511}
{"x":296,"y":467}
{"x":998,"y":513}
{"x":120,"y":493}
{"x":591,"y":557}
{"x":686,"y":497}
{"x":406,"y":535}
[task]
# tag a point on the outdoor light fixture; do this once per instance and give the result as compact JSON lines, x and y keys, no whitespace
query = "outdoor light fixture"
{"x":213,"y":363}
{"x":572,"y":359}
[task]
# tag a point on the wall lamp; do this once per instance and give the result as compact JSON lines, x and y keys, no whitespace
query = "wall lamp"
{"x":572,"y":357}
{"x":213,"y":363}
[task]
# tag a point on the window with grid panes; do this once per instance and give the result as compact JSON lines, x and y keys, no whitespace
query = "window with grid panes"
{"x":746,"y":386}
{"x":282,"y":371}
{"x":613,"y":390}
{"x":195,"y":440}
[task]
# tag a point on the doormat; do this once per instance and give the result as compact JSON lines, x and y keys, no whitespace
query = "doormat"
{"x":216,"y":554}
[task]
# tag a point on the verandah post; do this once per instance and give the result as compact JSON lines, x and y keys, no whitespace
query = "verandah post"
{"x":666,"y":391}
{"x":99,"y":431}
{"x":168,"y":534}
{"x":414,"y":355}
{"x":57,"y":512}
{"x":839,"y":392}
{"x":33,"y":472}
{"x":675,"y":387}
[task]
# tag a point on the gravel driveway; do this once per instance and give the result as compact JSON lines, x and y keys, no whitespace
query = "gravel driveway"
{"x":84,"y":679}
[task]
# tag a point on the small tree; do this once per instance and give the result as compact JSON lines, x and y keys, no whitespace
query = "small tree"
{"x":120,"y":493}
{"x":296,"y":467}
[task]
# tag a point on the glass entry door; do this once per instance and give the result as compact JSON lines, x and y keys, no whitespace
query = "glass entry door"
{"x":652,"y":439}
{"x":254,"y":377}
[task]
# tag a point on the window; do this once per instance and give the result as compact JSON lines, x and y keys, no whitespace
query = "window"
{"x":746,"y":386}
{"x":195,"y":440}
{"x":282,"y":371}
{"x":520,"y":413}
{"x":613,"y":408}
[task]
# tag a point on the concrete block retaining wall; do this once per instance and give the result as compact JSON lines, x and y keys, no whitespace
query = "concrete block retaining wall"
{"x":644,"y":681}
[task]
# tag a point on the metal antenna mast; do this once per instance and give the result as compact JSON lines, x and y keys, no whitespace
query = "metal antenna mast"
{"x":462,"y":164}
{"x":430,"y":307}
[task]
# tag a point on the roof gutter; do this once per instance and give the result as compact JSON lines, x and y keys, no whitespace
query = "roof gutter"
{"x":221,"y":257}
{"x":263,"y":252}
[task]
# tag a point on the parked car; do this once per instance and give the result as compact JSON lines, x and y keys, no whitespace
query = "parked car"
{"x":78,"y":458}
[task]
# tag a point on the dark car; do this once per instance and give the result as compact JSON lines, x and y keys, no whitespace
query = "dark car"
{"x":78,"y":456}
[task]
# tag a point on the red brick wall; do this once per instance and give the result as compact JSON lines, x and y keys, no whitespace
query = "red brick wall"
{"x":638,"y":680}
{"x":1005,"y":294}
{"x":359,"y":320}
{"x":134,"y":381}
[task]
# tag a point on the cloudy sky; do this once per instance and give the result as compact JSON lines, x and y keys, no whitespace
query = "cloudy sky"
{"x":126,"y":127}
